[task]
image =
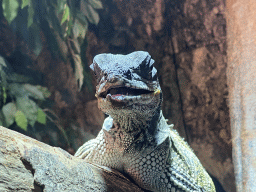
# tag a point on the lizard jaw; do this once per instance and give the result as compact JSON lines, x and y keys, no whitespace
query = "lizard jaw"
{"x":123,"y":93}
{"x":118,"y":91}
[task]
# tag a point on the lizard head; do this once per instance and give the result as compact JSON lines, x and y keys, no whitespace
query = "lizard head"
{"x":127,"y":85}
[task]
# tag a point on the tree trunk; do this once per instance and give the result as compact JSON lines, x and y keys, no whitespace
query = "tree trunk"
{"x":242,"y":89}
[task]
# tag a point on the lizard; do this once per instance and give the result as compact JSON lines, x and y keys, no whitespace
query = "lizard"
{"x":135,"y":138}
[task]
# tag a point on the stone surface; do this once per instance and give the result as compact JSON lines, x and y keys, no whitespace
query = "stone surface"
{"x":27,"y":164}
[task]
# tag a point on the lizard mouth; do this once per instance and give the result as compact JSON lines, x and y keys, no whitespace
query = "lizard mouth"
{"x":123,"y":91}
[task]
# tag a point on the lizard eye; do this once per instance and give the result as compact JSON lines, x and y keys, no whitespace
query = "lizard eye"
{"x":128,"y":74}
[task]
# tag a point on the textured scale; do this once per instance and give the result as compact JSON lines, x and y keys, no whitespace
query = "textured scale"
{"x":135,"y":139}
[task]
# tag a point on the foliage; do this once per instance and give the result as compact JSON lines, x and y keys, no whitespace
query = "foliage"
{"x":10,"y":8}
{"x":64,"y":24}
{"x":21,"y":120}
{"x":21,"y":108}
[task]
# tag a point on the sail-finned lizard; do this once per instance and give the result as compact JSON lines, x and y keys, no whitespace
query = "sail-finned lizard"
{"x":135,"y":139}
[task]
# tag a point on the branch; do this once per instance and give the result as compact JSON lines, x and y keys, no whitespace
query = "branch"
{"x":29,"y":165}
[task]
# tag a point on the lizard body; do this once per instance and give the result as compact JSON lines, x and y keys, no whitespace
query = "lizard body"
{"x":135,"y":139}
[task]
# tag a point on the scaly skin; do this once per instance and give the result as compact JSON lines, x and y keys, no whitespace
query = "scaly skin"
{"x":135,"y":139}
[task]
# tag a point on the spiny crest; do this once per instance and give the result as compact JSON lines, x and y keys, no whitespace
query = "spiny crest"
{"x":139,"y":62}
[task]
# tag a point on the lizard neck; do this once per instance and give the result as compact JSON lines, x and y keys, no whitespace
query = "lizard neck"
{"x":135,"y":130}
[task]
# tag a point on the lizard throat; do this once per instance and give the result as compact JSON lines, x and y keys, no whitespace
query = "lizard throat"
{"x":131,"y":130}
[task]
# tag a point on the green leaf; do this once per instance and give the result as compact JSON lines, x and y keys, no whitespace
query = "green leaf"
{"x":35,"y":42}
{"x":18,"y":78}
{"x":53,"y":26}
{"x":78,"y":70}
{"x":44,"y":90}
{"x":28,"y":107}
{"x":16,"y":90}
{"x":75,"y":29}
{"x":79,"y":30}
{"x":61,"y":5}
{"x":3,"y":74}
{"x":90,"y":13}
{"x":33,"y":91}
{"x":65,"y":16}
{"x":41,"y":117}
{"x":96,"y":4}
{"x":10,"y":9}
{"x":2,"y":61}
{"x":25,"y":3}
{"x":21,"y":120}
{"x":4,"y":95}
{"x":81,"y":18}
{"x":9,"y":111}
{"x":69,"y":27}
{"x":30,"y":15}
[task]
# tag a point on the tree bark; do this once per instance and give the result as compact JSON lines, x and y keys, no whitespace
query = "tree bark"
{"x":29,"y":165}
{"x":241,"y":27}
